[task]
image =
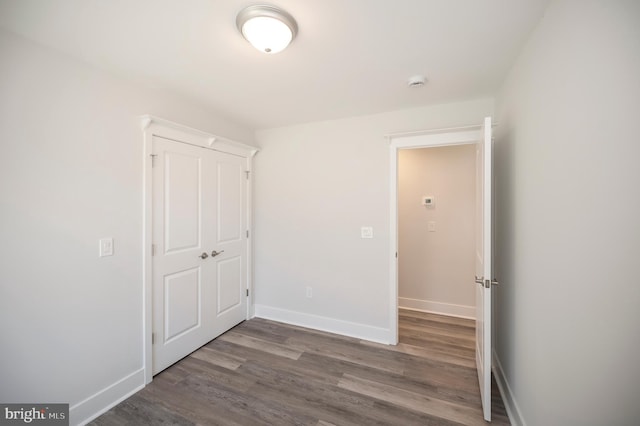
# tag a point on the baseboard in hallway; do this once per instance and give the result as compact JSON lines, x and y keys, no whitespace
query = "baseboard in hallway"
{"x":440,"y":308}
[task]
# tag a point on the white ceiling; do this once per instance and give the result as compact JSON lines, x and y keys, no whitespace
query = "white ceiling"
{"x":351,"y":57}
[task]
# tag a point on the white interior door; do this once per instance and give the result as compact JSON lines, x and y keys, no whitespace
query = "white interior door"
{"x":483,"y":277}
{"x":199,"y":259}
{"x":231,"y":227}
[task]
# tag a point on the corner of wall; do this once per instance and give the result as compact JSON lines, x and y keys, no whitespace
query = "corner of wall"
{"x":103,"y":400}
{"x":513,"y":410}
{"x":330,"y":325}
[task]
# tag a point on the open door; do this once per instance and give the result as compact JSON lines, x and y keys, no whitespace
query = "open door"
{"x":483,"y":278}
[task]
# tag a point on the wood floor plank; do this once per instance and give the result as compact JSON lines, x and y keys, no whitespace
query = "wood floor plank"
{"x":310,"y":397}
{"x":264,"y":330}
{"x":445,"y":386}
{"x":138,"y":410}
{"x":193,"y":406}
{"x":459,"y":334}
{"x":414,"y":401}
{"x":263,"y":345}
{"x":352,"y":350}
{"x":428,"y":353}
{"x":217,"y":374}
{"x":335,"y":405}
{"x":313,"y":367}
{"x":218,"y":358}
{"x":438,"y":344}
{"x":267,"y":373}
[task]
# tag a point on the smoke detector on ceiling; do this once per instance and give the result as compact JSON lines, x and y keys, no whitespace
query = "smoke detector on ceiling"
{"x":416,"y":81}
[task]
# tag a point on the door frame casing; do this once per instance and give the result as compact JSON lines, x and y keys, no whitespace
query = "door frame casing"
{"x":415,"y":140}
{"x":155,"y":126}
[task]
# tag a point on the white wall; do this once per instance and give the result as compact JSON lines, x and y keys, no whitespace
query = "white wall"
{"x":71,"y":173}
{"x":435,"y":268}
{"x":568,"y":205}
{"x":316,"y":184}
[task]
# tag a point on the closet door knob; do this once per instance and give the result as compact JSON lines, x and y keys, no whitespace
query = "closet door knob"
{"x":215,"y":253}
{"x":203,"y":256}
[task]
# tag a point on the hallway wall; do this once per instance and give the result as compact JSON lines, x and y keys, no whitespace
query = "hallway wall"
{"x":436,"y":267}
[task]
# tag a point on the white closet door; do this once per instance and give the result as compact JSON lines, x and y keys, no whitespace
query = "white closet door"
{"x":199,"y":261}
{"x":231,"y":241}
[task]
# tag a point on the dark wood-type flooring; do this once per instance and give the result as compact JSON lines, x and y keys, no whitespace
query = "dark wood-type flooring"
{"x":268,"y":373}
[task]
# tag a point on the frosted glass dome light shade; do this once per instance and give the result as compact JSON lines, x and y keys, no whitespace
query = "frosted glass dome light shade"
{"x":267,"y":28}
{"x":267,"y":34}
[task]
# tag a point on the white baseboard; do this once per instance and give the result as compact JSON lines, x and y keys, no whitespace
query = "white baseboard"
{"x":331,"y":325}
{"x":102,"y":401}
{"x":461,"y":311}
{"x":513,"y":411}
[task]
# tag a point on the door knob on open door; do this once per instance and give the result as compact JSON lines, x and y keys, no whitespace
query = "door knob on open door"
{"x":215,"y":253}
{"x":494,"y":282}
{"x":479,"y":280}
{"x":203,"y":256}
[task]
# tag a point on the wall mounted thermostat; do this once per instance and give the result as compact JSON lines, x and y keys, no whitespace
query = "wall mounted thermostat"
{"x":428,"y":200}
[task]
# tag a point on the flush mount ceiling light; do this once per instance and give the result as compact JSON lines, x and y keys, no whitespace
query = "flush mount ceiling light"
{"x":267,"y":28}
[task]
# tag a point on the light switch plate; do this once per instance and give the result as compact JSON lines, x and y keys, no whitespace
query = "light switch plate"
{"x":106,"y":247}
{"x":431,"y":226}
{"x":366,"y":232}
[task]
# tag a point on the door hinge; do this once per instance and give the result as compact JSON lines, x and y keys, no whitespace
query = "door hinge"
{"x":248,"y":172}
{"x":153,"y":249}
{"x":153,"y":338}
{"x":247,"y":233}
{"x":396,"y":255}
{"x":153,"y":160}
{"x":247,"y":292}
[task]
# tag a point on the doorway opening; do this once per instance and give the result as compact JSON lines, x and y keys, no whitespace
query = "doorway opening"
{"x":400,"y":143}
{"x":480,"y":136}
{"x":436,"y":229}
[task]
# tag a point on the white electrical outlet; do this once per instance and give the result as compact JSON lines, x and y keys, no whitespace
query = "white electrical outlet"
{"x":366,"y":232}
{"x":431,"y":226}
{"x":106,"y":247}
